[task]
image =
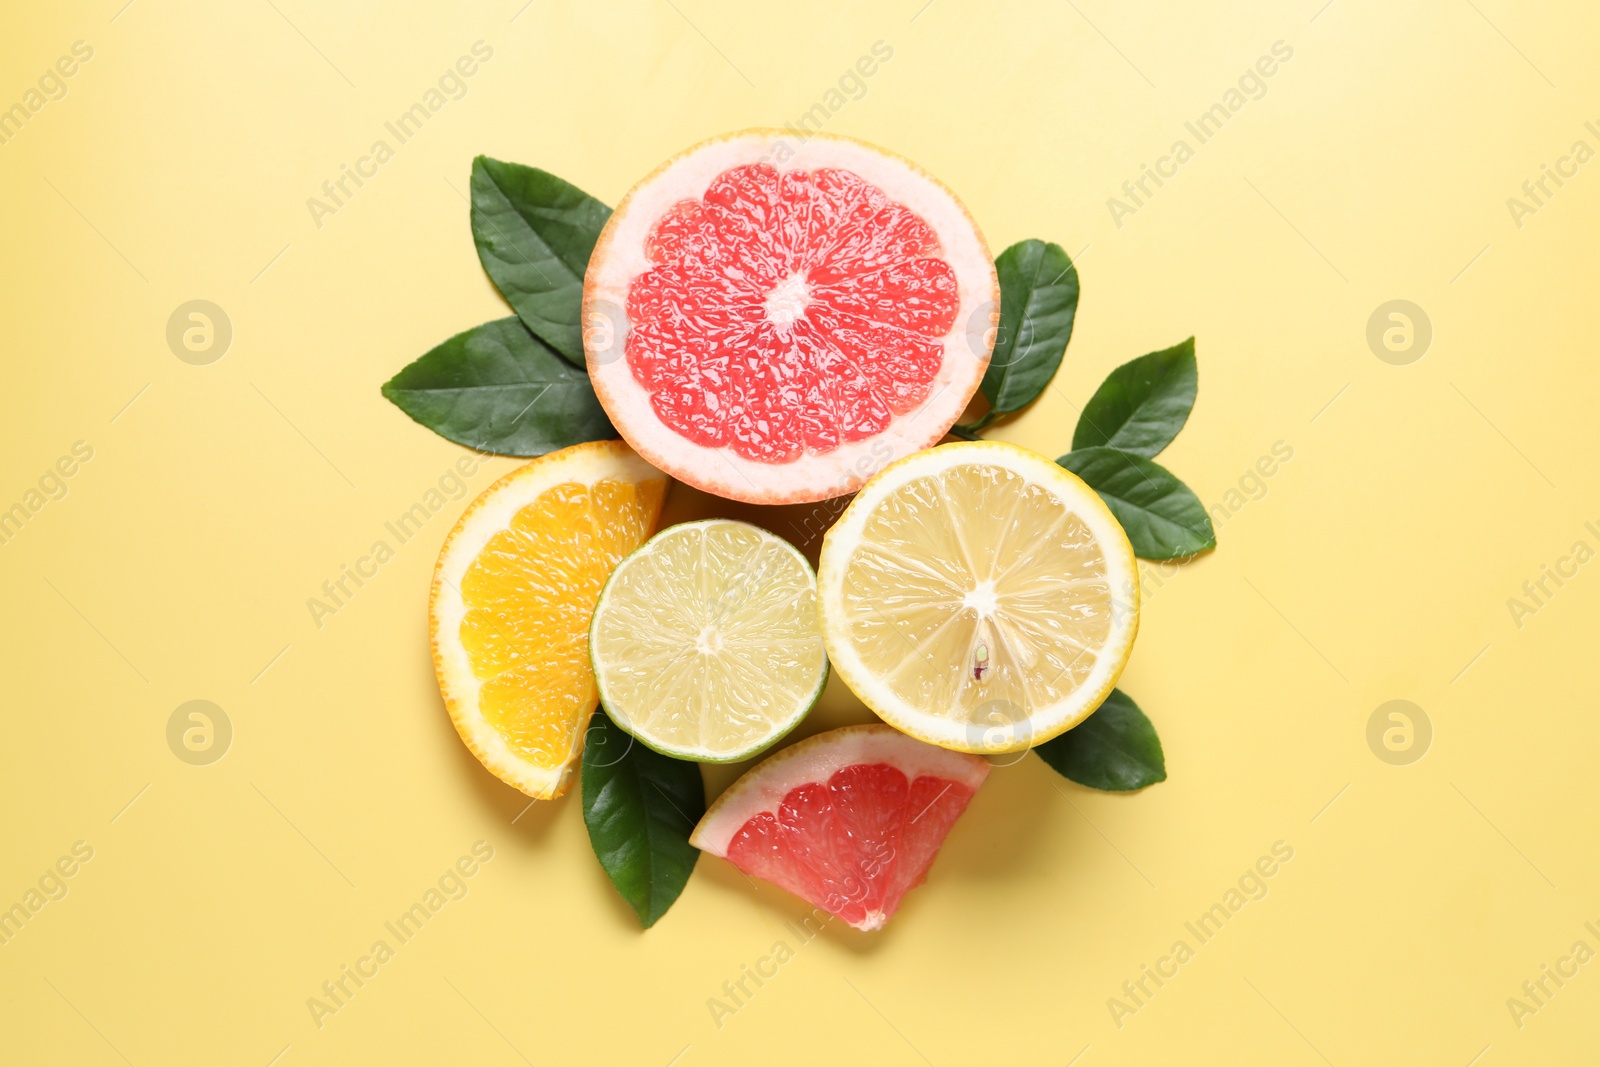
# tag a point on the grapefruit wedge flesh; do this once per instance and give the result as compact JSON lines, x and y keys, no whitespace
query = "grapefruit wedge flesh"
{"x":774,"y":320}
{"x":848,"y":820}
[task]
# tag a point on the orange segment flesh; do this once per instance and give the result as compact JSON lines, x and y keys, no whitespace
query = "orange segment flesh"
{"x":530,"y":594}
{"x":515,"y":589}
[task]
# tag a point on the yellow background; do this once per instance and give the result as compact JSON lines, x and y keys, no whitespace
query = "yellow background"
{"x":1377,"y":566}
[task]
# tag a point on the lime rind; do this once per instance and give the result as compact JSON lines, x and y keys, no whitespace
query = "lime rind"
{"x":619,"y":715}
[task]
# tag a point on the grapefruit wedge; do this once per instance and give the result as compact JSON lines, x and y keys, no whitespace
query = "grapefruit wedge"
{"x":848,"y":820}
{"x":774,"y":320}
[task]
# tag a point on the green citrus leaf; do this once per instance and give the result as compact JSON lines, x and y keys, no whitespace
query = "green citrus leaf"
{"x":1115,"y":749}
{"x":534,"y":234}
{"x":1038,"y":301}
{"x":640,"y":808}
{"x":498,"y":388}
{"x":1163,"y":518}
{"x":1141,"y":405}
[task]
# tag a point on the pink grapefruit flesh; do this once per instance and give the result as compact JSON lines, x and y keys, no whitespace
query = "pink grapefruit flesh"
{"x":848,"y":820}
{"x":774,"y":320}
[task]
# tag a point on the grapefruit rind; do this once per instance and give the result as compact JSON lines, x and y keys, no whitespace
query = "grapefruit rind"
{"x":623,"y":720}
{"x":951,"y":733}
{"x":763,"y":788}
{"x":619,"y":257}
{"x":486,"y":516}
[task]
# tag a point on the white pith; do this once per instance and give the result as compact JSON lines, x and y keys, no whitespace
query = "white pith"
{"x":815,"y":759}
{"x":619,"y":257}
{"x":488,"y":515}
{"x":953,"y":732}
{"x":787,"y":301}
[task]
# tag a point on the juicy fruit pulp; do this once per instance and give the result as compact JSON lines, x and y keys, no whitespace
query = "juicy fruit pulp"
{"x":786,"y":312}
{"x":521,"y":574}
{"x":848,"y":820}
{"x":531,"y":595}
{"x":980,"y":601}
{"x":706,"y":641}
{"x":936,"y":584}
{"x":855,"y":844}
{"x":772,"y":320}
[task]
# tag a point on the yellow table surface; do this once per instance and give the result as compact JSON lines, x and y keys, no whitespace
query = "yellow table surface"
{"x":1379,"y":563}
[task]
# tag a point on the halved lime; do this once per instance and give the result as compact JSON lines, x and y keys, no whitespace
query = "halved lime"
{"x":706,"y":641}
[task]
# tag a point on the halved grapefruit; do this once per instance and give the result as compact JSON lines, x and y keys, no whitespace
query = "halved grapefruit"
{"x":774,"y":320}
{"x":848,"y":820}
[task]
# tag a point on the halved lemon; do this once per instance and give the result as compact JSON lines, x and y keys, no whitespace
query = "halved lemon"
{"x":706,"y":642}
{"x":513,"y":593}
{"x":979,"y":596}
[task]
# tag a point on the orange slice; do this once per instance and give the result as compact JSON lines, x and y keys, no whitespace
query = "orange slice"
{"x":513,"y":594}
